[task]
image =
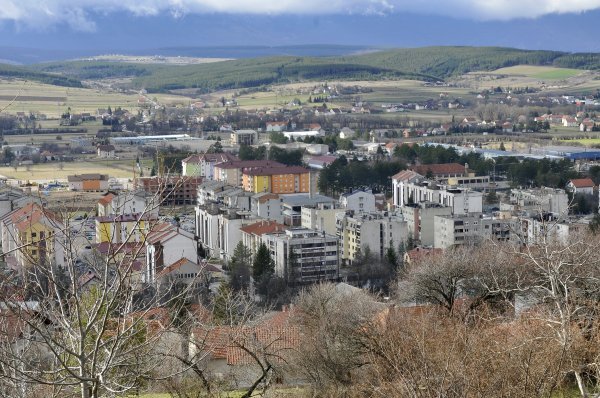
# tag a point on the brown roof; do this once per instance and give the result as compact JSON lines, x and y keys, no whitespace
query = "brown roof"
{"x":263,"y":227}
{"x":406,"y":175}
{"x":418,"y":253}
{"x":175,"y":266}
{"x":106,"y":199}
{"x":269,"y":171}
{"x":582,"y":183}
{"x":276,"y":334}
{"x":266,"y":197}
{"x":30,"y":214}
{"x":439,"y":169}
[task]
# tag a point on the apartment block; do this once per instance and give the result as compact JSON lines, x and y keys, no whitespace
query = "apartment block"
{"x":277,"y":180}
{"x":377,"y":231}
{"x":303,"y":255}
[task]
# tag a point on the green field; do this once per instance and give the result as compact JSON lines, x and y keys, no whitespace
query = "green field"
{"x":584,"y":141}
{"x":539,"y":72}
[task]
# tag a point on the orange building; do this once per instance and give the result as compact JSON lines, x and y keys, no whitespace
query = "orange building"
{"x":278,"y":180}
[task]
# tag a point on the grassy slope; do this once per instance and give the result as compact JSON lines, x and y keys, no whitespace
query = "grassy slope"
{"x":427,"y":63}
{"x":12,"y":71}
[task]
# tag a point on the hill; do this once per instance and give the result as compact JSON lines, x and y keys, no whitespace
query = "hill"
{"x":427,"y":63}
{"x":19,"y":72}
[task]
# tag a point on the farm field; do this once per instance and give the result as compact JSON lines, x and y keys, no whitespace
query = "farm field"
{"x":392,"y":91}
{"x":539,"y":72}
{"x":54,"y":100}
{"x":583,"y":141}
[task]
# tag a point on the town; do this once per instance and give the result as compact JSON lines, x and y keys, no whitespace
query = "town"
{"x":217,"y":209}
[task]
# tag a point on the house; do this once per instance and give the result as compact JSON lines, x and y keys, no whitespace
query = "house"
{"x":347,"y":133}
{"x":581,"y":185}
{"x":202,"y":165}
{"x":244,"y":137}
{"x":132,"y":202}
{"x":106,"y":151}
{"x":569,"y":121}
{"x":32,"y":235}
{"x":92,"y":182}
{"x":124,"y":228}
{"x":587,"y":125}
{"x":165,"y":245}
{"x":183,"y":271}
{"x":276,"y":126}
{"x":507,"y":127}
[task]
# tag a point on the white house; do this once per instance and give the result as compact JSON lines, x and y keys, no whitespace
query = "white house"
{"x":276,"y":126}
{"x":106,"y":151}
{"x":165,"y":245}
{"x":360,"y":201}
{"x":581,"y":185}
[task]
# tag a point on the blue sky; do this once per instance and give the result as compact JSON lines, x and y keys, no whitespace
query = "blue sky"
{"x":93,"y":26}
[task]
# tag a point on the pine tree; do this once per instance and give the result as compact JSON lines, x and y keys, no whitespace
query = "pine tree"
{"x":239,"y":268}
{"x":263,"y":264}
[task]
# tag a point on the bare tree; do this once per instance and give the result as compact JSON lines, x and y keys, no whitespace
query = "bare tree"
{"x":82,"y":324}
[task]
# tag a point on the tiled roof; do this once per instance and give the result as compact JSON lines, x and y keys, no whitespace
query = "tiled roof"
{"x":406,"y":175}
{"x":439,"y":169}
{"x":275,"y":334}
{"x":263,"y":227}
{"x":267,"y":196}
{"x":418,"y":253}
{"x":582,"y":183}
{"x":269,"y":171}
{"x":106,"y":199}
{"x":30,"y":214}
{"x":175,"y":266}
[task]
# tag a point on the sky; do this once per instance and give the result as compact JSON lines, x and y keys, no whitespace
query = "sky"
{"x":63,"y":27}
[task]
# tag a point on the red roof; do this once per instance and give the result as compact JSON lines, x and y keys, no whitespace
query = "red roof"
{"x":263,"y":227}
{"x":582,"y":183}
{"x":269,"y":171}
{"x":439,"y":169}
{"x":418,"y":253}
{"x":106,"y":199}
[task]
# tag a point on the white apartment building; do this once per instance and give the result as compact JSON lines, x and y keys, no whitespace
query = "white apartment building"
{"x":378,"y":231}
{"x":411,"y":188}
{"x":303,"y":255}
{"x":360,"y":201}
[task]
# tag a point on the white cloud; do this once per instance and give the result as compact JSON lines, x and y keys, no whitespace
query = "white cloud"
{"x":76,"y":13}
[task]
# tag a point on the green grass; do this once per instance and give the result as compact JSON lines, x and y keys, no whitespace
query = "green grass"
{"x":539,"y":72}
{"x":584,"y":141}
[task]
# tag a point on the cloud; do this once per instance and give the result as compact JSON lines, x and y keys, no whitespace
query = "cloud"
{"x":78,"y":14}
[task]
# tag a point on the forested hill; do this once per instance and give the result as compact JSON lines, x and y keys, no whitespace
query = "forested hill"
{"x":20,"y":72}
{"x":427,"y":63}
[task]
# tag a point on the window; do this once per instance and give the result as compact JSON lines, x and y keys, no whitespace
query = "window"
{"x":33,"y":234}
